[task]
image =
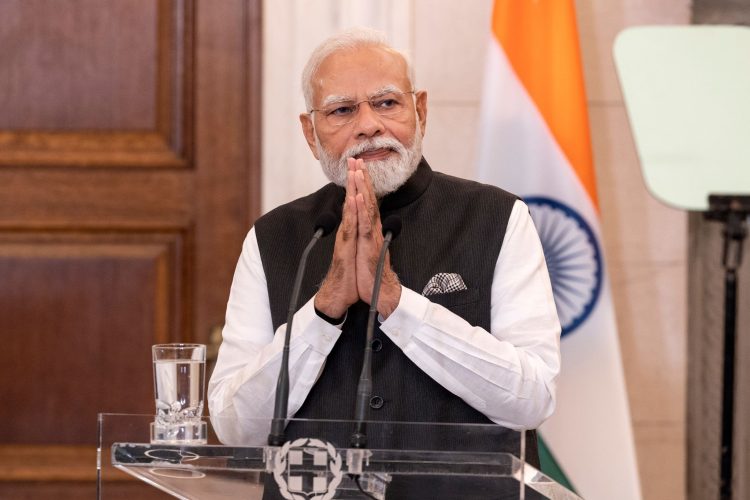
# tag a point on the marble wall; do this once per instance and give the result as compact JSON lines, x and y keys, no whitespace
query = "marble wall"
{"x":646,"y":247}
{"x":706,"y":307}
{"x":645,"y":242}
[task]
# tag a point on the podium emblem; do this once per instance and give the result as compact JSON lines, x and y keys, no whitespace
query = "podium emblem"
{"x":307,"y":469}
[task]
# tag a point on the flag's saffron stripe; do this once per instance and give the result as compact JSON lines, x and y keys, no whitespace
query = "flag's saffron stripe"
{"x":540,"y":39}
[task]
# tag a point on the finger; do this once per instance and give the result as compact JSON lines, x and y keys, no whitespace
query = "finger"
{"x":348,"y":227}
{"x":351,"y":164}
{"x":359,"y":165}
{"x":362,"y":188}
{"x":351,"y":187}
{"x":349,"y":216}
{"x":371,"y":189}
{"x":364,"y":221}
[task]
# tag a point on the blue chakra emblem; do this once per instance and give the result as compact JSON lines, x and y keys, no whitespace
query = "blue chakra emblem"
{"x":573,"y":259}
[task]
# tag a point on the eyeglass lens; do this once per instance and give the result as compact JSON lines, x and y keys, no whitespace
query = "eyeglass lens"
{"x":384,"y":105}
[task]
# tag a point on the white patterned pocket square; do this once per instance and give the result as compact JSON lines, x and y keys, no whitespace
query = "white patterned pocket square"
{"x":444,"y":283}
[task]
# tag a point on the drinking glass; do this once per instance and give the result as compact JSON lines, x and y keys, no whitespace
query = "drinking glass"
{"x":179,"y":373}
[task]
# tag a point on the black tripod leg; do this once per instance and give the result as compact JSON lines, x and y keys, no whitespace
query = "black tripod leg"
{"x":727,"y":420}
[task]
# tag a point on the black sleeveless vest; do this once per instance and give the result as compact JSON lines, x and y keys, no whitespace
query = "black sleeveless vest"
{"x":449,"y":225}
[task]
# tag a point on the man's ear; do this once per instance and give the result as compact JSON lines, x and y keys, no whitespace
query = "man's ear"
{"x":421,"y":105}
{"x":308,"y":129}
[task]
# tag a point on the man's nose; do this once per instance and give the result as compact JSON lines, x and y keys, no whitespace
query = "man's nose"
{"x":367,"y":122}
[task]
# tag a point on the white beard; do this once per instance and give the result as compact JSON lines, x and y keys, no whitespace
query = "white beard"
{"x":387,"y":175}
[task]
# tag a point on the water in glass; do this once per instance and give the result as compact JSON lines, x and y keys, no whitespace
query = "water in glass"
{"x":179,"y":390}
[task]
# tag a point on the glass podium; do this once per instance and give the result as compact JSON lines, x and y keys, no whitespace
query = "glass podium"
{"x":402,"y":461}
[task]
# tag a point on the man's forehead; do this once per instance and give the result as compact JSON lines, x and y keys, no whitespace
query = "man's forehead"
{"x":360,"y":73}
{"x":390,"y":88}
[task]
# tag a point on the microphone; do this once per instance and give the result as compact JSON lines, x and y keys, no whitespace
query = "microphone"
{"x":391,"y":229}
{"x":324,"y":224}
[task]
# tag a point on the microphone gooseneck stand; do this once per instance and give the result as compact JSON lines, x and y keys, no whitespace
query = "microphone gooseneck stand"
{"x":324,"y":224}
{"x":391,"y":229}
{"x":733,"y":211}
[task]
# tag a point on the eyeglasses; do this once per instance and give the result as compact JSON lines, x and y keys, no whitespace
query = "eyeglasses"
{"x":341,"y":113}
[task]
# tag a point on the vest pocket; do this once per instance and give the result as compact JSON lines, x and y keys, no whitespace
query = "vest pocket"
{"x":464,"y":303}
{"x":458,"y":298}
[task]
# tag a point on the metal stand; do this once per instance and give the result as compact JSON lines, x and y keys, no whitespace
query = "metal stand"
{"x":733,"y":212}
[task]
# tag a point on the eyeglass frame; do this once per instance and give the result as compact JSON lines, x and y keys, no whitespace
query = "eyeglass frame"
{"x":356,"y":105}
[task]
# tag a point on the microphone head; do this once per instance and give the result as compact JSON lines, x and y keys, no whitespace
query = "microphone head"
{"x":327,"y":221}
{"x":392,"y":224}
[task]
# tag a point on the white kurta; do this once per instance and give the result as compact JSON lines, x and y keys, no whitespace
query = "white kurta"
{"x":508,"y":373}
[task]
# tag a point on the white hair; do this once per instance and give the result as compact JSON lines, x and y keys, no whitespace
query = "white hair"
{"x":346,"y":40}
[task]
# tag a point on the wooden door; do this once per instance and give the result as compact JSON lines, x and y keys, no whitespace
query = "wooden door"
{"x":129,"y":175}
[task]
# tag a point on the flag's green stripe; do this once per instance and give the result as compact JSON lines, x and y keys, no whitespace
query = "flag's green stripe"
{"x":550,"y":466}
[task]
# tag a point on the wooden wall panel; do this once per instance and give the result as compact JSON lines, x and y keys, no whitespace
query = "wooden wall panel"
{"x":61,"y":472}
{"x":96,"y":83}
{"x":59,"y":490}
{"x":129,"y":176}
{"x":78,"y":319}
{"x":98,"y":67}
{"x":80,"y":199}
{"x":227,"y":126}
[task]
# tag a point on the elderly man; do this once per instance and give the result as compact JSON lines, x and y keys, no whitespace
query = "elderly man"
{"x":467,"y":325}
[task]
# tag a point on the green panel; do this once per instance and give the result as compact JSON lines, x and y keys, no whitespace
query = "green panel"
{"x":687,"y":91}
{"x":550,"y":466}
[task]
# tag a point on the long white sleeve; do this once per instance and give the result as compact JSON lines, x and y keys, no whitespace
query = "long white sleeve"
{"x":243,"y":383}
{"x":508,"y":373}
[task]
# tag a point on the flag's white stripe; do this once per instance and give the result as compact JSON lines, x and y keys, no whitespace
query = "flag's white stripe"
{"x":526,"y":142}
{"x":590,"y":433}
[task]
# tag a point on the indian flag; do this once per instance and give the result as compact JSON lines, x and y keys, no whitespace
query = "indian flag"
{"x":534,"y":141}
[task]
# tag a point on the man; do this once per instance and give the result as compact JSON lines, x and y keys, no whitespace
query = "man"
{"x":467,"y":325}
